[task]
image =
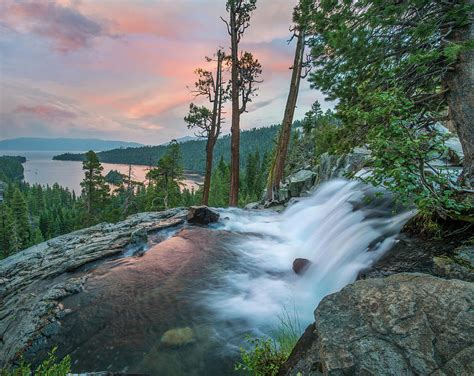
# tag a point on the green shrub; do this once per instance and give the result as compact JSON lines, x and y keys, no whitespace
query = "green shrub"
{"x":266,"y":355}
{"x":263,"y":359}
{"x":49,"y":367}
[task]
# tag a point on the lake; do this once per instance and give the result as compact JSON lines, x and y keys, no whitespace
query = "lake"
{"x":40,"y":168}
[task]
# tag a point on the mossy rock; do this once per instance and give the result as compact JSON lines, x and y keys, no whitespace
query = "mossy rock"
{"x":458,"y":266}
{"x":178,"y":337}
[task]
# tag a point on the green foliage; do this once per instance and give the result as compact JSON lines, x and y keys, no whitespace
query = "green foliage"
{"x":166,"y":179}
{"x":255,"y":173}
{"x":263,"y":359}
{"x":386,"y":65}
{"x":199,"y":119}
{"x":265,"y":355}
{"x":401,"y":158}
{"x":20,"y":216}
{"x":114,"y":177}
{"x":49,"y":367}
{"x":324,"y":130}
{"x":220,"y":185}
{"x":31,"y":214}
{"x":425,"y":225}
{"x":9,"y":242}
{"x":11,"y":168}
{"x":95,"y":191}
{"x":289,"y":331}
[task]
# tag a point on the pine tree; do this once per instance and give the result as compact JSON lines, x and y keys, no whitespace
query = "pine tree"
{"x":396,"y":69}
{"x":21,"y":217}
{"x":37,"y":236}
{"x":95,"y":191}
{"x":167,"y":177}
{"x":9,"y":242}
{"x":245,"y":71}
{"x":220,"y":186}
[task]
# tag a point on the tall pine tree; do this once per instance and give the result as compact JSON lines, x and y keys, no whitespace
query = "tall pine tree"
{"x":95,"y":191}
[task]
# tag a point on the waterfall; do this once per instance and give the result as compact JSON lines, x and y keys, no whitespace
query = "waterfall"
{"x":342,"y":228}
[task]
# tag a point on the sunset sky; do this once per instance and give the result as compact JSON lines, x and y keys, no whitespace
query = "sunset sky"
{"x":119,"y":69}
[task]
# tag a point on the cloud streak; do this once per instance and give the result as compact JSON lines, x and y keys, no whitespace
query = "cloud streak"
{"x":46,"y":112}
{"x":67,"y":28}
{"x":122,"y":68}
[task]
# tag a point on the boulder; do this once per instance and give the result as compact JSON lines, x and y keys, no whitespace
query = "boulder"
{"x":202,"y":215}
{"x":253,"y":206}
{"x":332,"y":166}
{"x":300,"y":265}
{"x":405,"y":324}
{"x":459,"y":265}
{"x":300,"y":182}
{"x":178,"y":337}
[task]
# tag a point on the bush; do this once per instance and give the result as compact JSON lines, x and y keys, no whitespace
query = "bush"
{"x":264,"y":358}
{"x":49,"y":367}
{"x":266,"y":355}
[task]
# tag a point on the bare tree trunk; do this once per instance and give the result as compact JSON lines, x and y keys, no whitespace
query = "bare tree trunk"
{"x":215,"y":128}
{"x":278,"y":165}
{"x":235,"y":127}
{"x":207,"y":177}
{"x":129,"y":190}
{"x":461,"y":102}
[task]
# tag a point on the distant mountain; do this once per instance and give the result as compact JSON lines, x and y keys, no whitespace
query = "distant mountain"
{"x":61,"y":144}
{"x":181,"y":140}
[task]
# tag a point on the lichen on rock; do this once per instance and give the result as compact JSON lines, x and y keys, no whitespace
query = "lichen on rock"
{"x":405,"y":324}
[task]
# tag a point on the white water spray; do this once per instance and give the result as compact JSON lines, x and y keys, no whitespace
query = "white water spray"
{"x":343,"y":228}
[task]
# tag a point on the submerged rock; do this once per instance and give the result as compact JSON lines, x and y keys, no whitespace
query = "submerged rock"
{"x":178,"y":337}
{"x":300,"y":265}
{"x":202,"y":215}
{"x":406,"y":324}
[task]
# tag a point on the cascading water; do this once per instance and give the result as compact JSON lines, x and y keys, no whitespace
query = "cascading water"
{"x":342,"y":228}
{"x":220,"y":282}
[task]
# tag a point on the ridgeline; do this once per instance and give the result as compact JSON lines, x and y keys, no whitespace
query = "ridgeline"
{"x":193,"y":152}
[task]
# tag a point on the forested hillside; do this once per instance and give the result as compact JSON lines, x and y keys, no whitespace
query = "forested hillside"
{"x":30,"y":214}
{"x":11,"y":168}
{"x":193,"y":152}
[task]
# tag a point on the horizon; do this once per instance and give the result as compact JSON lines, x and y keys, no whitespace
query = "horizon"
{"x":187,"y":137}
{"x":100,"y":73}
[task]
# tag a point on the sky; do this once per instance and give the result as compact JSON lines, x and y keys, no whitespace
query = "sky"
{"x":122,"y":69}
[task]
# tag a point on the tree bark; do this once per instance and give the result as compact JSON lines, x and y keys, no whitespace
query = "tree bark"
{"x":278,"y":165}
{"x":215,"y":128}
{"x":235,"y":127}
{"x":207,"y":178}
{"x":461,"y":102}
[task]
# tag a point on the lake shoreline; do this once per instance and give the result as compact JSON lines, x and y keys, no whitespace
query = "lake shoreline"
{"x":40,"y":168}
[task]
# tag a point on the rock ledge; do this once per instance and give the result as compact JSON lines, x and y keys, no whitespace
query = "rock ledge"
{"x":405,"y":324}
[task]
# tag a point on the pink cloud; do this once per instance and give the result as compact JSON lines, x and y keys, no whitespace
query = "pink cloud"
{"x":135,"y":85}
{"x":46,"y":112}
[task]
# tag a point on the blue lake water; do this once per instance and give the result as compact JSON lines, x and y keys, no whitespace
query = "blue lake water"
{"x":40,"y":168}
